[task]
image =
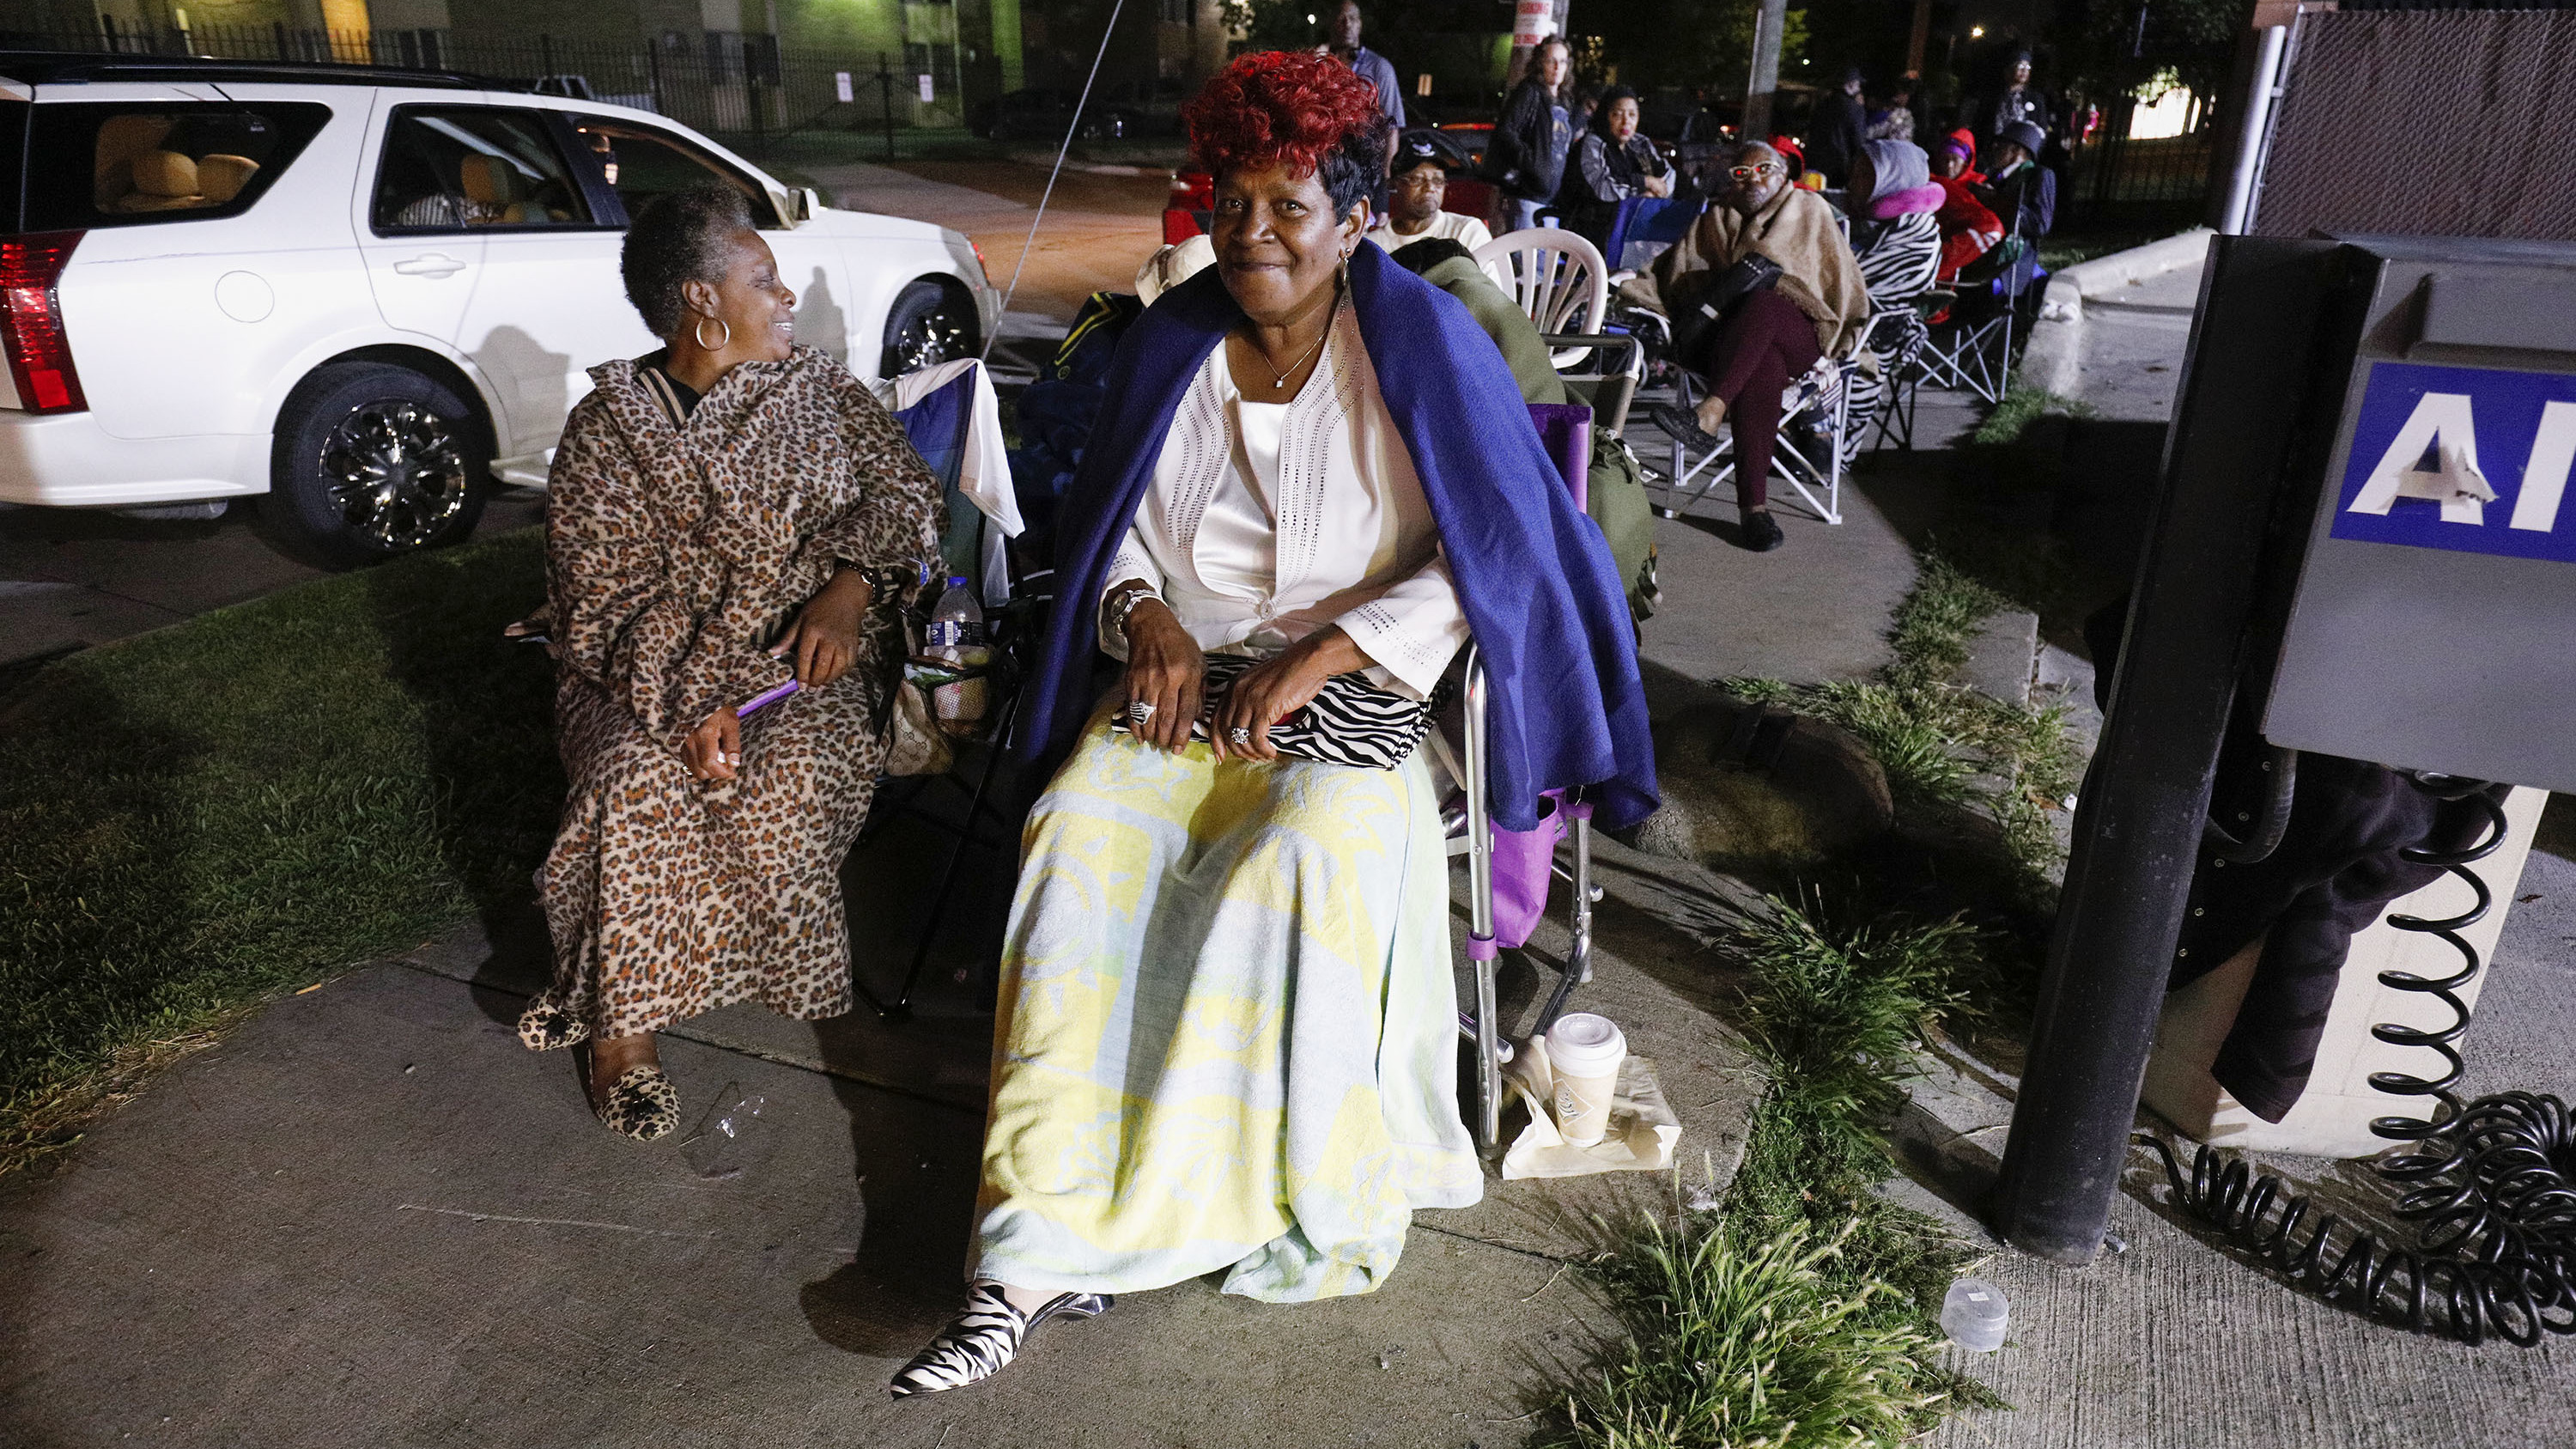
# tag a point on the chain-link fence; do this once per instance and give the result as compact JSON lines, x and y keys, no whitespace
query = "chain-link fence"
{"x":715,"y":81}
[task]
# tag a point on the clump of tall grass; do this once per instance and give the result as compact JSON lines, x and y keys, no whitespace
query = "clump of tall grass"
{"x":1937,"y":739}
{"x":1737,"y":1342}
{"x":1797,"y":1309}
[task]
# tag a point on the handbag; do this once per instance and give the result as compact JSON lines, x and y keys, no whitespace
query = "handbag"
{"x":1695,"y":325}
{"x":1350,"y":721}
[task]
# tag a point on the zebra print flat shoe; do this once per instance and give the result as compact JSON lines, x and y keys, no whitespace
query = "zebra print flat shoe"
{"x":983,"y":1339}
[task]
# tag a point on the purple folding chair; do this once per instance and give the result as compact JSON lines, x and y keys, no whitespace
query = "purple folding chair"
{"x":1509,"y":871}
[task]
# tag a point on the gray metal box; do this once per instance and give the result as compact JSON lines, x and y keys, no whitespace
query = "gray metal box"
{"x":2434,"y":623}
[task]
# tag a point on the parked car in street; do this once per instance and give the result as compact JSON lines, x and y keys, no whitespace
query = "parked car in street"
{"x":365,"y":292}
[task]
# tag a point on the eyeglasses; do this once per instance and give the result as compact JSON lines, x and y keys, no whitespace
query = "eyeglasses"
{"x":1754,"y":173}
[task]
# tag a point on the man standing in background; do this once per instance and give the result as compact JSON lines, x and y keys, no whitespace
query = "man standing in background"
{"x":2019,"y":103}
{"x":1369,"y":66}
{"x":1834,"y":135}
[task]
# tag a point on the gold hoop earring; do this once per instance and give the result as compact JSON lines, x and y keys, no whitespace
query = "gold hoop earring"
{"x":698,"y":334}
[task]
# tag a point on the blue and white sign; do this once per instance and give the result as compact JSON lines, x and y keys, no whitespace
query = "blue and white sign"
{"x":2463,"y":458}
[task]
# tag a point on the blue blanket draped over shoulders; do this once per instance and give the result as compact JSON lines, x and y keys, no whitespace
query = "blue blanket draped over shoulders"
{"x":1542,"y":597}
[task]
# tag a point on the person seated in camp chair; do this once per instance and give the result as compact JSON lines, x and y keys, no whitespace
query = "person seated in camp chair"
{"x":1611,"y":162}
{"x":2021,"y":192}
{"x":1761,"y":287}
{"x":724,"y":514}
{"x":1968,"y":226}
{"x":1227,"y":1033}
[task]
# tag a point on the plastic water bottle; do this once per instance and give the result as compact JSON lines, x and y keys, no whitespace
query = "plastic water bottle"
{"x":1975,"y":1315}
{"x":732,"y":1127}
{"x":956,"y":638}
{"x":957,"y":624}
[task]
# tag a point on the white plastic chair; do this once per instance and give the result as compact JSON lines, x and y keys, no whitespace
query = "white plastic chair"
{"x":1557,"y":277}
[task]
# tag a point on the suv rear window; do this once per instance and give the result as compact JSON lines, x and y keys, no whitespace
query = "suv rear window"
{"x":94,"y":165}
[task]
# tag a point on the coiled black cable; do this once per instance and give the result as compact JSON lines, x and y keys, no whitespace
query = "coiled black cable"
{"x":2492,"y":1184}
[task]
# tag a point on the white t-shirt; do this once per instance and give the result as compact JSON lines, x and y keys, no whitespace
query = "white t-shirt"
{"x":1455,"y":226}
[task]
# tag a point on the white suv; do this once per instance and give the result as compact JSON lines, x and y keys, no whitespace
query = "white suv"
{"x":366,"y":292}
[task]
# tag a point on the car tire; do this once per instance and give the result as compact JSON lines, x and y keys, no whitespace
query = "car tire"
{"x":929,"y":324}
{"x":373,"y":460}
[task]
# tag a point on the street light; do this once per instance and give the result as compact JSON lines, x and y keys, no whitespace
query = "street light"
{"x":1976,"y":32}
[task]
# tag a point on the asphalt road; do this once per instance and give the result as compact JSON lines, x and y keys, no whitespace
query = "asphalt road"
{"x":73,"y":577}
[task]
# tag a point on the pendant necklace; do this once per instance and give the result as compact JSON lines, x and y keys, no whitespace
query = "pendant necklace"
{"x":1280,"y":379}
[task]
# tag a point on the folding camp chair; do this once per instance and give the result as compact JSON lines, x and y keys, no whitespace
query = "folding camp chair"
{"x":1643,"y":227}
{"x":1606,"y":388}
{"x":1512,"y":870}
{"x":1556,"y":277}
{"x":1905,"y":374}
{"x":1972,"y":349}
{"x":952,"y":419}
{"x":1817,"y":403}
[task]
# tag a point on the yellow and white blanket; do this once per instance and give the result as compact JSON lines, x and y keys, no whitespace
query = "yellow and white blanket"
{"x":1228,"y":1028}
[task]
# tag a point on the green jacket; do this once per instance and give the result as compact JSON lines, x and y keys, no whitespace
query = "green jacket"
{"x":1616,"y":495}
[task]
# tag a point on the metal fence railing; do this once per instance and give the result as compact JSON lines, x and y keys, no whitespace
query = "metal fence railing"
{"x":2118,"y":178}
{"x":720,"y":82}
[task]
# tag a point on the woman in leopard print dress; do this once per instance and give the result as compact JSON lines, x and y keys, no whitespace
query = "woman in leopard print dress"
{"x":722,"y":512}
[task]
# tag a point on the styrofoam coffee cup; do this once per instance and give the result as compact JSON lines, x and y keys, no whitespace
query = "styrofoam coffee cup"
{"x":1584,"y":1052}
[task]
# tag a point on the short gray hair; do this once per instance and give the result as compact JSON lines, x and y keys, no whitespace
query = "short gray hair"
{"x":679,"y":237}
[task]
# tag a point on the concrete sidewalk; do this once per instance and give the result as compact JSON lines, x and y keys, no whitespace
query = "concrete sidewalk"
{"x":371,"y":1216}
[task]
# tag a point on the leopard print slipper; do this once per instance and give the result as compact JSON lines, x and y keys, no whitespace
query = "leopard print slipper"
{"x":543,"y":1027}
{"x":643,"y":1105}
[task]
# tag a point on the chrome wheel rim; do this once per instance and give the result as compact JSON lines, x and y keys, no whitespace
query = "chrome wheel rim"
{"x":928,"y":340}
{"x":395,"y":473}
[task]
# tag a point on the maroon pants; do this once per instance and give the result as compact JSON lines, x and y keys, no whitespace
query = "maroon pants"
{"x":1763,"y":344}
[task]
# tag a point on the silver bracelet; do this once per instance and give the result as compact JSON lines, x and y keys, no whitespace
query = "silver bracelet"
{"x":1125,"y":606}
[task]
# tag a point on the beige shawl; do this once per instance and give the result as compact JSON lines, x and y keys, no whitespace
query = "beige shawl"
{"x":1795,"y":229}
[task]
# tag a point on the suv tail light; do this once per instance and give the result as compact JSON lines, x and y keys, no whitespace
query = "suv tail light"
{"x":31,"y":322}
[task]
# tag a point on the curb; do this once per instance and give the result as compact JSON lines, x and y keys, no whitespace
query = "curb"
{"x":2053,"y":358}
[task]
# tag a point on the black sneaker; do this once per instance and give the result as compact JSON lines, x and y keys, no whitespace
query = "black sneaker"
{"x":1761,"y":533}
{"x":1683,"y":425}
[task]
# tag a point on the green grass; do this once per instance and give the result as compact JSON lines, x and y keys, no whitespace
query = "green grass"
{"x":1800,"y":1308}
{"x":1938,"y":740}
{"x":2059,"y":251}
{"x":200,"y":818}
{"x":2023,"y":405}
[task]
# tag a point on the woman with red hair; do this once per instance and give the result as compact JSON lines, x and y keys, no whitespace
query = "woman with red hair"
{"x":1227,"y":1031}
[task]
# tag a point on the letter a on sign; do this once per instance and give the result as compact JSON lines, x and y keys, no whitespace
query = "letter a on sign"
{"x":2469,"y":459}
{"x":2443,"y":431}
